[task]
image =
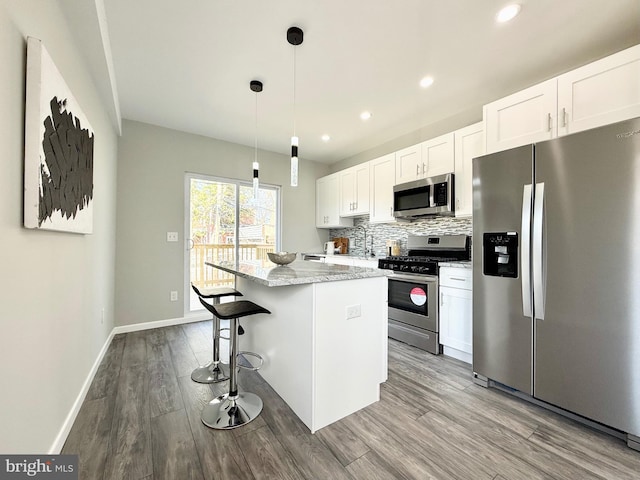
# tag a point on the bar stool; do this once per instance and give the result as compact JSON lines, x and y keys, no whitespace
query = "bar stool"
{"x":232,"y":409}
{"x":212,"y":372}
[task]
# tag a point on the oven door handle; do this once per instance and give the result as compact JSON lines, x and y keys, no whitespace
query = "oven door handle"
{"x":414,"y":278}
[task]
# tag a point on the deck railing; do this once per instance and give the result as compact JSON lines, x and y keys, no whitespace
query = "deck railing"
{"x":205,"y":276}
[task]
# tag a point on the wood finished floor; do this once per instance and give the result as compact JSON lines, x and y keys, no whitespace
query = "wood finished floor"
{"x":141,"y":420}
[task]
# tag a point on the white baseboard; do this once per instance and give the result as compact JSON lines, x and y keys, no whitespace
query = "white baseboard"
{"x":460,"y":355}
{"x":196,"y":317}
{"x":58,"y":443}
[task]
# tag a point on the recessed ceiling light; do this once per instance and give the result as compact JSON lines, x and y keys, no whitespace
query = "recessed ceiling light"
{"x":508,"y":13}
{"x":325,"y":138}
{"x":365,"y":115}
{"x":426,"y":82}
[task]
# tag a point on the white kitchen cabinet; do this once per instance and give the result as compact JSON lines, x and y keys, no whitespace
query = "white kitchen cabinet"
{"x":408,"y":164}
{"x":456,"y":313}
{"x":525,"y":117}
{"x":328,"y":203}
{"x":382,"y":172}
{"x":600,"y":93}
{"x":426,"y":159}
{"x":469,"y":143}
{"x":354,"y":190}
{"x":438,"y":155}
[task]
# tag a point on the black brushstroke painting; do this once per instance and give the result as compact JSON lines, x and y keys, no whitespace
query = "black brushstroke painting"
{"x":67,"y":182}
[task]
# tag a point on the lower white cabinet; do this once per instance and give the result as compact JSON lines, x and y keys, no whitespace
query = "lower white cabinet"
{"x":456,"y":313}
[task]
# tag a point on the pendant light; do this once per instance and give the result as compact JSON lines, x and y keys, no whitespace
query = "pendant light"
{"x":256,"y":86}
{"x":294,"y":37}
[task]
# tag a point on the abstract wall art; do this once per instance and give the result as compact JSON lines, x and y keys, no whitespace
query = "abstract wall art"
{"x":58,"y":171}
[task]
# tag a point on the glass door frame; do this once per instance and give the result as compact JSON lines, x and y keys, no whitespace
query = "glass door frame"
{"x":188,"y":243}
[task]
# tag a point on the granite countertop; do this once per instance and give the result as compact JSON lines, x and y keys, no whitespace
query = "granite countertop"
{"x":299,"y":272}
{"x":342,"y":255}
{"x":467,"y":265}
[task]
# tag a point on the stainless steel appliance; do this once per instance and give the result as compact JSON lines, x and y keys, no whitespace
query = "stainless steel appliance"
{"x":413,"y":287}
{"x":427,"y":196}
{"x":556,"y":273}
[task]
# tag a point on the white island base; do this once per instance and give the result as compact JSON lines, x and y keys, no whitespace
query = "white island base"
{"x":323,"y":365}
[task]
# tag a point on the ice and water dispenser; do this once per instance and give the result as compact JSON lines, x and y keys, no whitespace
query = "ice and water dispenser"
{"x":500,"y":252}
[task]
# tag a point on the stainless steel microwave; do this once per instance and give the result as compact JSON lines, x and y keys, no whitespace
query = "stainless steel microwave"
{"x":427,"y":196}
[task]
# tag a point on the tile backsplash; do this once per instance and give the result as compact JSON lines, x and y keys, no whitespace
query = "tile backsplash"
{"x":381,"y":232}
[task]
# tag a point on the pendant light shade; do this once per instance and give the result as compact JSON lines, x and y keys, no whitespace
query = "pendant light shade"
{"x":256,"y":86}
{"x":295,"y":37}
{"x":294,"y":161}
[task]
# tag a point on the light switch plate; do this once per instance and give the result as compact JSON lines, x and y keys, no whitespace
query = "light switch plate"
{"x":172,"y":236}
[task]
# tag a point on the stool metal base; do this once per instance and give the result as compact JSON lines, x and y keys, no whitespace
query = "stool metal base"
{"x":225,"y":413}
{"x":210,"y":373}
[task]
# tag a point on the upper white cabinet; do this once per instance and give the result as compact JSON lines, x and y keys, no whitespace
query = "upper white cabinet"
{"x":525,"y":117}
{"x":382,"y":174}
{"x":438,"y":155}
{"x":600,"y":93}
{"x":354,"y":190}
{"x":328,"y":203}
{"x":433,"y":157}
{"x":469,"y":143}
{"x":603,"y":92}
{"x":408,"y":164}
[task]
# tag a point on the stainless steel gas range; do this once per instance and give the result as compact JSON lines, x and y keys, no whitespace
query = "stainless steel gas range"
{"x":413,"y":287}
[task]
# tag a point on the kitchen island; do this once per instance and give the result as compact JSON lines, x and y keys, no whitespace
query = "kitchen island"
{"x":325,"y":343}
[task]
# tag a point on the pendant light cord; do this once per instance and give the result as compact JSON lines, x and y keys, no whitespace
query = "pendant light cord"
{"x":294,"y":90}
{"x":256,"y":136}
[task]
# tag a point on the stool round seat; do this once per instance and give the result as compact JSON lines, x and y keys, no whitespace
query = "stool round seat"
{"x":213,"y":371}
{"x":237,"y":309}
{"x":216,"y":292}
{"x":233,"y":409}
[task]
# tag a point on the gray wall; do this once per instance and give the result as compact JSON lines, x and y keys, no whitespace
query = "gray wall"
{"x":54,"y":285}
{"x":152,"y":162}
{"x":468,"y":117}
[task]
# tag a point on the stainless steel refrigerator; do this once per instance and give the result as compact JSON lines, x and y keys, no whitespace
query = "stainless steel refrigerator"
{"x":556,"y":273}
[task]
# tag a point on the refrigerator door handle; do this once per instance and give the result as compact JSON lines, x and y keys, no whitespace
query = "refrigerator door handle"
{"x":525,"y":254}
{"x":538,"y":252}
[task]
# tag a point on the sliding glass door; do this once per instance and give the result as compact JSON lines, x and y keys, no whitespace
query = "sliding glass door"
{"x":226,"y":221}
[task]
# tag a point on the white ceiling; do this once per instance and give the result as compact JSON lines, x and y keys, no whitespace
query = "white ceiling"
{"x":187,"y":65}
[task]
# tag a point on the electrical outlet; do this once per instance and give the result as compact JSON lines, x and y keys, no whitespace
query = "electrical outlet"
{"x":174,"y":296}
{"x":353,"y":311}
{"x":102,"y":318}
{"x":172,"y":236}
